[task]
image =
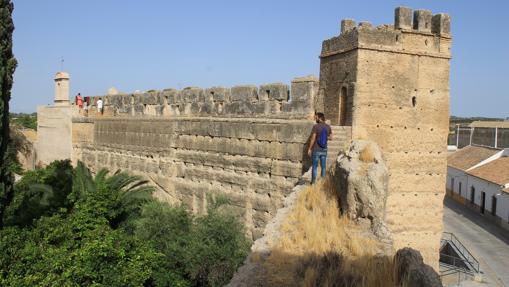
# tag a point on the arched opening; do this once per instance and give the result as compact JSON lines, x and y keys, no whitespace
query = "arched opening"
{"x":343,"y":107}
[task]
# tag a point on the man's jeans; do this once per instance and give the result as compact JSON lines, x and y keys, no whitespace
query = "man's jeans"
{"x":318,"y":155}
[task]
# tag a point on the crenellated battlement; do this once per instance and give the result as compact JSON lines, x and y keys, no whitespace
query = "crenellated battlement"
{"x":419,"y":33}
{"x":276,"y":100}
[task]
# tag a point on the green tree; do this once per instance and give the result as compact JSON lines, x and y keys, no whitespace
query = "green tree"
{"x":7,"y":66}
{"x":73,"y":240}
{"x":40,"y":192}
{"x":204,"y":250}
{"x":28,"y":121}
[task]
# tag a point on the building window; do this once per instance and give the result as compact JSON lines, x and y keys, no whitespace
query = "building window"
{"x":459,"y":187}
{"x":472,"y":194}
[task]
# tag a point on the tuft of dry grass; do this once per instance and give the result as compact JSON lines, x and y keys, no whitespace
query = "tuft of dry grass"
{"x":319,"y":247}
{"x":367,"y":155}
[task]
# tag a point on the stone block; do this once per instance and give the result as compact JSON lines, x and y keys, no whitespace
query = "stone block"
{"x":168,"y":96}
{"x":422,"y":20}
{"x":364,"y":25}
{"x":441,"y":24}
{"x":347,"y":25}
{"x":207,"y":108}
{"x":301,"y":107}
{"x":192,"y":95}
{"x":403,"y":18}
{"x":304,"y":88}
{"x":218,"y":94}
{"x":150,"y":98}
{"x":276,"y":91}
{"x":239,"y":107}
{"x":247,"y":93}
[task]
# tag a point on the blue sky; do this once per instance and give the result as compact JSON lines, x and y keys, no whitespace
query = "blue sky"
{"x":142,"y":45}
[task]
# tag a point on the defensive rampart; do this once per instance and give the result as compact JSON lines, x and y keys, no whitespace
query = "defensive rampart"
{"x":245,"y":143}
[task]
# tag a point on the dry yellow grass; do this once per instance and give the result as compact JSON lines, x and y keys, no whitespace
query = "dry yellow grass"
{"x":321,"y":248}
{"x":367,"y":154}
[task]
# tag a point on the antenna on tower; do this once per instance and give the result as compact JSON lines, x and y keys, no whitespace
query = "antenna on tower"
{"x":61,"y":63}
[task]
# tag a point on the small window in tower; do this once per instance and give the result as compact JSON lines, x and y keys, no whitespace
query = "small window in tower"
{"x":414,"y":101}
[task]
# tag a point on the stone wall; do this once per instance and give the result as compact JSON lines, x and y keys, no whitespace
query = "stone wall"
{"x":53,"y":134}
{"x":398,"y":81}
{"x":245,"y":143}
{"x":264,"y":101}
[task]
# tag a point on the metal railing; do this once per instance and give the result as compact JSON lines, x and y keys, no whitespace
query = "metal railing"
{"x":468,"y":259}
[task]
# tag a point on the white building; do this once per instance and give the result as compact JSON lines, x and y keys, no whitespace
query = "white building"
{"x":478,"y":177}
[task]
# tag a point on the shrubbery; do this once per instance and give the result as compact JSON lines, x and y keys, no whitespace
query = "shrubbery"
{"x":65,"y":227}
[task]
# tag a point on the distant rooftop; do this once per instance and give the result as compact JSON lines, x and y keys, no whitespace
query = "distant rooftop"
{"x":489,"y":124}
{"x":496,"y":171}
{"x":469,"y":156}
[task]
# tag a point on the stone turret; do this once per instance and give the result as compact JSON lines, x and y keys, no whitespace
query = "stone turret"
{"x":61,"y":89}
{"x":391,"y":85}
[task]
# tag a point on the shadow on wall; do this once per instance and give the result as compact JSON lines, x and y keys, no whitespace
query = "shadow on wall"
{"x":306,"y":159}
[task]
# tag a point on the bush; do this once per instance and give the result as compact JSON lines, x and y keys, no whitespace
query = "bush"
{"x":69,"y":228}
{"x":206,"y":250}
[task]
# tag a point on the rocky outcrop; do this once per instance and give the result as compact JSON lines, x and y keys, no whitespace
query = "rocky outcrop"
{"x":362,"y":182}
{"x":411,"y":270}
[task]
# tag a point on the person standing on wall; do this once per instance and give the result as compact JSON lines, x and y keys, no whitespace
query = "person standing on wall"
{"x":85,"y":106}
{"x":100,"y":106}
{"x":79,"y":101}
{"x":320,"y":134}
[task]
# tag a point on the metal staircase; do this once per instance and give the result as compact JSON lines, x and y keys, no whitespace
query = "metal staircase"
{"x":455,"y":257}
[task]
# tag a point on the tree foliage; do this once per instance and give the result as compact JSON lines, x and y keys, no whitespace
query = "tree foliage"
{"x":27,"y":121}
{"x":68,"y":227}
{"x":7,"y":66}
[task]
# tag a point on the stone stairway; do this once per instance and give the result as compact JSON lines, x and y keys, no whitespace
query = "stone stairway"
{"x":341,"y":137}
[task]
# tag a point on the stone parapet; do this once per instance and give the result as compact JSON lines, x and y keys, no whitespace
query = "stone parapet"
{"x":420,"y":34}
{"x":275,"y":100}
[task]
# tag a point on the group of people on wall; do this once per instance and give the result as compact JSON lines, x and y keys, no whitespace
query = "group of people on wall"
{"x":84,"y":104}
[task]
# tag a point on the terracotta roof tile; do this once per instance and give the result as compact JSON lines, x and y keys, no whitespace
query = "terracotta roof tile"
{"x":496,"y":171}
{"x":469,"y":156}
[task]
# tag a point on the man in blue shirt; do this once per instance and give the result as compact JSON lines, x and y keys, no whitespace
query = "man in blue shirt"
{"x":317,"y":150}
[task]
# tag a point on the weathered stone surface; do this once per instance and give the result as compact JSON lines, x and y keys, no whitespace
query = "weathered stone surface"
{"x":411,"y":270}
{"x":218,"y":94}
{"x":403,"y":18}
{"x":422,"y":20}
{"x":362,"y":176}
{"x":347,"y":25}
{"x":244,"y":93}
{"x":441,"y":24}
{"x":276,"y":91}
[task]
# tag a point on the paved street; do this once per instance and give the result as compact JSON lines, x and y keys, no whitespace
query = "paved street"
{"x":486,"y":241}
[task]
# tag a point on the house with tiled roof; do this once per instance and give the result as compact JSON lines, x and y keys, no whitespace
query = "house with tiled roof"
{"x":478,"y":177}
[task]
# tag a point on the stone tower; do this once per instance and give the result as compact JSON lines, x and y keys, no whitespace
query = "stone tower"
{"x":391,"y":84}
{"x":61,"y":89}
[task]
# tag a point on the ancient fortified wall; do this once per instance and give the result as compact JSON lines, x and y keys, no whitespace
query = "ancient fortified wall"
{"x":245,"y":143}
{"x":388,"y":84}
